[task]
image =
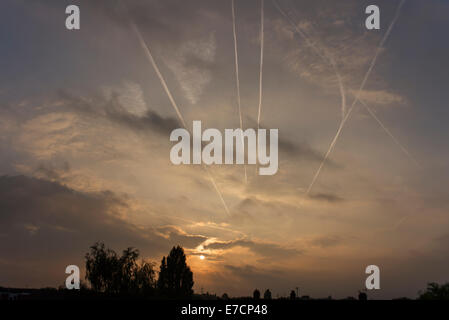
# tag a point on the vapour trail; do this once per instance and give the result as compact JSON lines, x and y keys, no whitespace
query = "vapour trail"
{"x":388,"y":132}
{"x":343,"y":96}
{"x":261,"y":60}
{"x":331,"y":59}
{"x":325,"y":56}
{"x":261,"y":65}
{"x":299,"y":31}
{"x":237,"y":79}
{"x":216,"y":189}
{"x":362,"y":85}
{"x":161,"y":78}
{"x":173,"y":103}
{"x":341,"y":87}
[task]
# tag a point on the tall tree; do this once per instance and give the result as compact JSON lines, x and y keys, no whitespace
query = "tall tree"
{"x":175,"y":277}
{"x":162,"y":281}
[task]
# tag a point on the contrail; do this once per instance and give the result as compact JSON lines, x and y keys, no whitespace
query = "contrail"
{"x":237,"y":80}
{"x":173,"y":103}
{"x":362,"y":85}
{"x":155,"y":67}
{"x":299,"y":31}
{"x":325,"y":55}
{"x":216,"y":189}
{"x":328,"y":56}
{"x":342,"y":92}
{"x":388,"y":132}
{"x":261,"y":60}
{"x":341,"y":87}
{"x":261,"y":65}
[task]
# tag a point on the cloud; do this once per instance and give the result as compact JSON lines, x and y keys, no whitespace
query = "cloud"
{"x":130,"y":96}
{"x":112,"y":109}
{"x":329,"y":197}
{"x":48,"y":223}
{"x":264,"y":249}
{"x":300,"y":150}
{"x":303,"y":151}
{"x":52,"y":172}
{"x":380,"y":97}
{"x":176,"y":234}
{"x":334,"y":34}
{"x":191,"y":64}
{"x":327,"y":241}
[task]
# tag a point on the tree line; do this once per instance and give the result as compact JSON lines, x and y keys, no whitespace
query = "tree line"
{"x":111,"y":274}
{"x":125,"y":275}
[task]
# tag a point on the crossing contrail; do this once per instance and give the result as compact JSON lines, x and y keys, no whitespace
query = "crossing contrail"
{"x":261,"y":60}
{"x":323,"y":55}
{"x":299,"y":31}
{"x":388,"y":131}
{"x":147,"y":51}
{"x":161,"y":78}
{"x":220,"y":195}
{"x":329,"y":59}
{"x":237,"y":79}
{"x":362,"y":85}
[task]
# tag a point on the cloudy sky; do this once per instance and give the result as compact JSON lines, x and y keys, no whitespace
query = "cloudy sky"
{"x":85,"y":125}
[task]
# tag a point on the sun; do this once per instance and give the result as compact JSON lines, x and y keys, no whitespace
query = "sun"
{"x":202,"y":257}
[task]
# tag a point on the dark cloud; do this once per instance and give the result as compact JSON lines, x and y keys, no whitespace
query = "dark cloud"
{"x":329,"y":197}
{"x":300,"y":150}
{"x":47,"y":223}
{"x":303,"y":151}
{"x":52,"y":172}
{"x":164,"y":21}
{"x":327,"y":241}
{"x":113,"y":110}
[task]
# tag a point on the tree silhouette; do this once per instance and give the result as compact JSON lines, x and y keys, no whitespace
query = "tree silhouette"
{"x":111,"y":274}
{"x":175,"y":277}
{"x":435,"y":291}
{"x":292,"y":295}
{"x":363,"y":296}
{"x":101,"y":268}
{"x":267,"y":294}
{"x":256,"y":294}
{"x":145,"y":278}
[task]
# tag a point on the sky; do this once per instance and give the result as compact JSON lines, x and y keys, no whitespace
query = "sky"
{"x":85,"y":125}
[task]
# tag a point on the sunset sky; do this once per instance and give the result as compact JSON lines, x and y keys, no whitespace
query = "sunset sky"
{"x":85,"y":151}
